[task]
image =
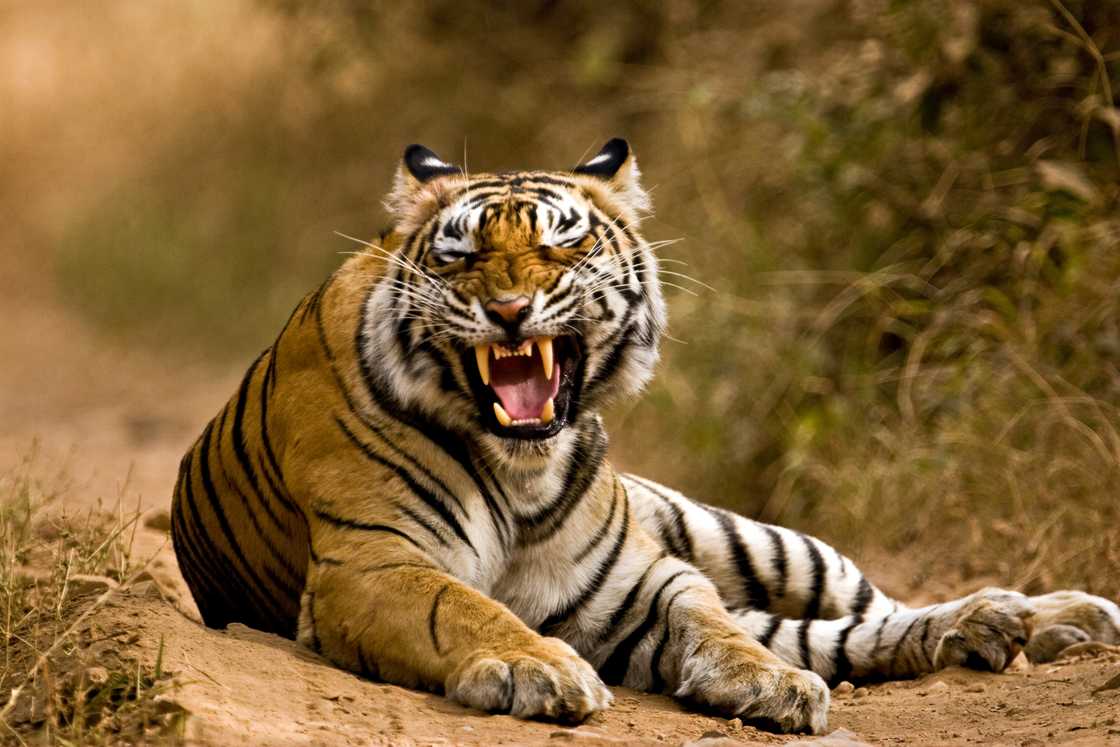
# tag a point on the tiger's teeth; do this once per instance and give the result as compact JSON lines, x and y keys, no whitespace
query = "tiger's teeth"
{"x":482,"y":356}
{"x":548,"y":412}
{"x":502,"y":416}
{"x":545,"y":344}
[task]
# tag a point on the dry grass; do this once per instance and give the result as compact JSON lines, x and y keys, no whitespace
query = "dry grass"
{"x":65,"y":680}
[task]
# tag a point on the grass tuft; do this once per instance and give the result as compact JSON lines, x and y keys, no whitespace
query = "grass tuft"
{"x":66,"y":679}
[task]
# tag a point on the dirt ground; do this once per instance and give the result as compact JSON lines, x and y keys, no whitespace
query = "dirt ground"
{"x":117,"y":421}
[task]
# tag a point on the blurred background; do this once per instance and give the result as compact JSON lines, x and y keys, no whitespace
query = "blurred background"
{"x":906,"y":212}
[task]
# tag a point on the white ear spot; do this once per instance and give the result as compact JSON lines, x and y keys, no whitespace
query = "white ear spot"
{"x":434,"y":163}
{"x":598,"y":159}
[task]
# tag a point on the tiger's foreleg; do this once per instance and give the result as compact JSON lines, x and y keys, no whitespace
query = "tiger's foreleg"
{"x":659,"y":626}
{"x":402,"y":620}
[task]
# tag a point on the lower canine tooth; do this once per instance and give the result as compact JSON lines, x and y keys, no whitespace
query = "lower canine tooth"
{"x":502,"y":416}
{"x":548,"y":412}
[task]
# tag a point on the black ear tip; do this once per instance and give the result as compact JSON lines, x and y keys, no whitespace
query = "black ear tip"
{"x":424,"y":164}
{"x":617,"y":145}
{"x":608,"y":160}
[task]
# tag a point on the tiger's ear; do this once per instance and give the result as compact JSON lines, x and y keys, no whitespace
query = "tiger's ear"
{"x":418,"y":166}
{"x":616,"y":166}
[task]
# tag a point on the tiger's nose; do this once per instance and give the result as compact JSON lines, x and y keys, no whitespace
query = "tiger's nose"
{"x":508,"y":313}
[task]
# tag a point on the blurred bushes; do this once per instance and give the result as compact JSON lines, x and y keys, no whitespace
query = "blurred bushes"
{"x":907,"y":210}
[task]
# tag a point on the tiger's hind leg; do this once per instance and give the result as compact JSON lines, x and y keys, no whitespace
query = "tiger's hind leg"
{"x":985,"y":630}
{"x":815,"y":609}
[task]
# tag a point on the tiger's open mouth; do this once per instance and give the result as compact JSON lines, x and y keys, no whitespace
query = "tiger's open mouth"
{"x":525,"y":389}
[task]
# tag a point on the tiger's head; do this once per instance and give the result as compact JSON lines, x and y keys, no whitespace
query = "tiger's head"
{"x":514,"y":305}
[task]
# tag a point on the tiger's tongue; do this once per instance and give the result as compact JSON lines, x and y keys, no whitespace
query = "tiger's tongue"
{"x":521,"y":386}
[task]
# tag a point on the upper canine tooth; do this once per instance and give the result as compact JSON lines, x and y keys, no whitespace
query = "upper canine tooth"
{"x":548,"y":412}
{"x":482,"y":356}
{"x":545,"y":344}
{"x":502,"y":416}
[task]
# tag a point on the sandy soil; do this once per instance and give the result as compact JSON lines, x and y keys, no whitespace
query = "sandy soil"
{"x":107,"y":413}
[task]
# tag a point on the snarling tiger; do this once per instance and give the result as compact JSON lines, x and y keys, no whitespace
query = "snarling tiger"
{"x":412,"y":480}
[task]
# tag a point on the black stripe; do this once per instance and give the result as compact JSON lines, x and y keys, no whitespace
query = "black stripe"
{"x":266,"y":441}
{"x":843,"y":665}
{"x":779,"y":558}
{"x":617,"y":664}
{"x":583,"y":468}
{"x":362,"y":526}
{"x":432,"y":622}
{"x":217,"y":562}
{"x":771,"y":631}
{"x":816,"y":587}
{"x":925,"y":640}
{"x":418,"y":490}
{"x":898,"y":644}
{"x":803,"y":643}
{"x":879,"y":637}
{"x":293,"y":585}
{"x":422,"y":522}
{"x":680,"y":523}
{"x":601,"y":532}
{"x":864,"y":594}
{"x":237,"y":437}
{"x":657,"y":681}
{"x":223,"y":521}
{"x":756,"y":595}
{"x":623,"y":609}
{"x":316,"y":645}
{"x":597,"y":581}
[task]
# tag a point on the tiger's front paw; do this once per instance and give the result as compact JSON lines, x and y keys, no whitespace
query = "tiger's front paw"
{"x":545,"y":680}
{"x":989,"y":630}
{"x":735,"y":679}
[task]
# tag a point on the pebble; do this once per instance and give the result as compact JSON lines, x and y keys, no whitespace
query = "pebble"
{"x":974,"y":689}
{"x":97,"y":675}
{"x":938,"y":688}
{"x":860,"y":692}
{"x":844,"y":688}
{"x":735,"y":724}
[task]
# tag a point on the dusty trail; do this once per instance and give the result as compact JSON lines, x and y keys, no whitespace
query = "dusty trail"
{"x":104,"y":413}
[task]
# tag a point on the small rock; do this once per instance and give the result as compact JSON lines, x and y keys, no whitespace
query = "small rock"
{"x":736,"y":724}
{"x":860,"y":692}
{"x":974,"y":689}
{"x":939,"y":687}
{"x":838,"y":738}
{"x":97,"y":675}
{"x":844,"y":688}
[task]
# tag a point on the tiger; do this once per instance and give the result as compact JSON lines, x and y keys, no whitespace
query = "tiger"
{"x":412,"y":481}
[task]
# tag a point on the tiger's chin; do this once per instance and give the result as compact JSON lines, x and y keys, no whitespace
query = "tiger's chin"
{"x":526,"y":391}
